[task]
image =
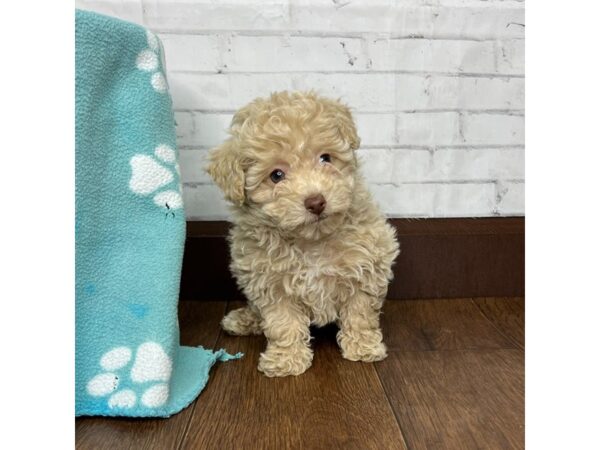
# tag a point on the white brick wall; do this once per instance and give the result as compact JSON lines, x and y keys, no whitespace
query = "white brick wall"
{"x":437,"y":88}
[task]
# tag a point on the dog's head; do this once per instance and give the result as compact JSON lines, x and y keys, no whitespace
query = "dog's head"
{"x":290,"y":162}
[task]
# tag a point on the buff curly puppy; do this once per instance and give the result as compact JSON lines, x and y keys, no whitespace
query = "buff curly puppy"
{"x":308,"y":244}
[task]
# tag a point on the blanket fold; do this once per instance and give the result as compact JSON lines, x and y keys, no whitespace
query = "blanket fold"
{"x":129,"y":229}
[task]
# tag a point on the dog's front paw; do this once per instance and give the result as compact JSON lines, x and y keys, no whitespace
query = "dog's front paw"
{"x":366,"y":345}
{"x":278,"y":361}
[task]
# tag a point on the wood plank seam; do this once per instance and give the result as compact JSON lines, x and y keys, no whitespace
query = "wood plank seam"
{"x":389,"y":403}
{"x":516,"y":344}
{"x":193,"y":405}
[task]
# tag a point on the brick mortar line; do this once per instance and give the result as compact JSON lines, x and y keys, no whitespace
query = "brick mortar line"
{"x":196,"y":184}
{"x":497,"y":51}
{"x":331,"y":34}
{"x":507,"y":112}
{"x":424,"y":148}
{"x":446,"y":147}
{"x":483,"y":181}
{"x":208,"y":218}
{"x":350,"y":72}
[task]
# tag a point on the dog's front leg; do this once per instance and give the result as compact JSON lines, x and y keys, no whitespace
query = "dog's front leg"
{"x":286,"y":328}
{"x":360,"y":337}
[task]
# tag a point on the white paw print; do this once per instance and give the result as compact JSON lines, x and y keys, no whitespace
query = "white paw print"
{"x":148,"y":175}
{"x":151,"y":364}
{"x":147,"y":60}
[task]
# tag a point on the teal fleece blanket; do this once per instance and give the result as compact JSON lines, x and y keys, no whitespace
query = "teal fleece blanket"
{"x":129,"y":230}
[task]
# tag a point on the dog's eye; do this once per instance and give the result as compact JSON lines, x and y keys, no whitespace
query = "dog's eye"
{"x":277,"y":175}
{"x":325,"y":158}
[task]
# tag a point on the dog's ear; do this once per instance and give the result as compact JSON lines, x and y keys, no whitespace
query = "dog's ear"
{"x":226,"y":169}
{"x":225,"y":161}
{"x":345,"y":123}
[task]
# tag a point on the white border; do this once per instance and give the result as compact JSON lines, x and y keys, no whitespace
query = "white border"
{"x":562,"y":191}
{"x":37,"y":246}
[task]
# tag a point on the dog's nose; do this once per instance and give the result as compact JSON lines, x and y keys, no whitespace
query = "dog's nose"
{"x":315,"y":204}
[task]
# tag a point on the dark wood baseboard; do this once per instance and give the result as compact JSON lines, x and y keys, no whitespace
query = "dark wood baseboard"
{"x":440,"y":258}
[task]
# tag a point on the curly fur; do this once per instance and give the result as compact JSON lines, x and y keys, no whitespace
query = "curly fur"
{"x":297,"y":269}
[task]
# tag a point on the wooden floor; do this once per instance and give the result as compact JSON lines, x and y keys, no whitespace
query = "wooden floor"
{"x":454,"y":379}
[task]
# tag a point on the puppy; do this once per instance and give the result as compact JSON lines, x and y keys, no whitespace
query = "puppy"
{"x":308,"y":244}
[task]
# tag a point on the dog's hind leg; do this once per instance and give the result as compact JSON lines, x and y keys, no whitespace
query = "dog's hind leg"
{"x":242,"y":322}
